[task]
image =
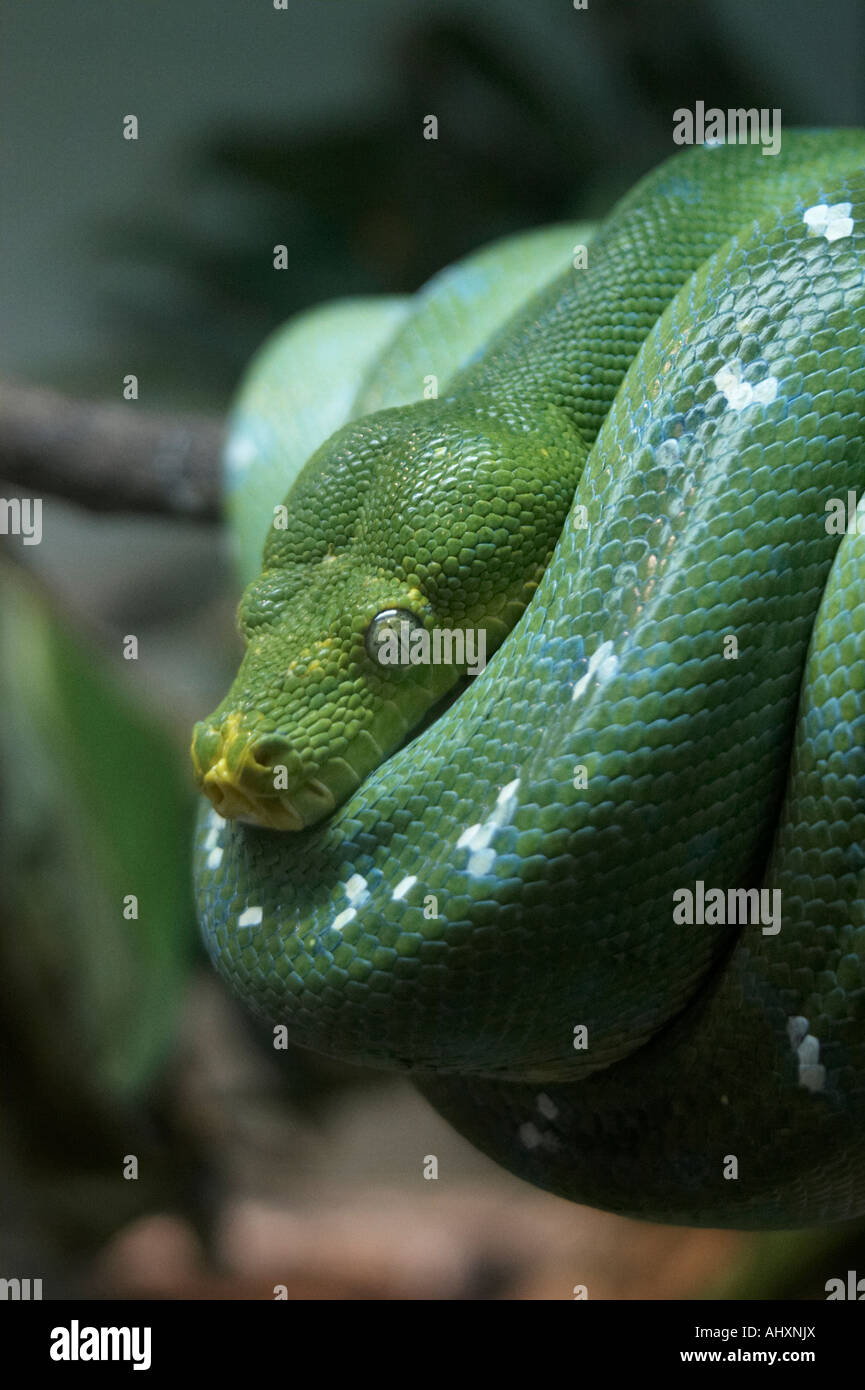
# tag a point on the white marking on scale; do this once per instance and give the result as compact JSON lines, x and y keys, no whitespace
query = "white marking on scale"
{"x":738,"y":393}
{"x":342,"y":919}
{"x":546,"y":1106}
{"x":356,"y":890}
{"x":602,"y":666}
{"x":812,"y":1075}
{"x":530,"y":1136}
{"x":476,"y":838}
{"x":251,"y":917}
{"x":481,"y":862}
{"x":403,"y":886}
{"x":214,"y":858}
{"x":831,"y":220}
{"x":467,"y":837}
{"x":797,"y":1027}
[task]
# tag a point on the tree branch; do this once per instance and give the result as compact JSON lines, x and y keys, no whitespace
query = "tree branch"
{"x":110,"y":457}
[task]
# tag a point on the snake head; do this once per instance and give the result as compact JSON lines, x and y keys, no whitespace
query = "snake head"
{"x":406,"y":550}
{"x":313,"y":708}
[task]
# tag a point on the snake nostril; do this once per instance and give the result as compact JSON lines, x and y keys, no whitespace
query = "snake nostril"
{"x":273,"y":751}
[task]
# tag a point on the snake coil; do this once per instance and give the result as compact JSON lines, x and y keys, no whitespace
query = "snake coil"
{"x":607,"y":901}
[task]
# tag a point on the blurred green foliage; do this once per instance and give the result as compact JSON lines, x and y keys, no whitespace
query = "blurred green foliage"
{"x":94,"y":813}
{"x":371,"y":207}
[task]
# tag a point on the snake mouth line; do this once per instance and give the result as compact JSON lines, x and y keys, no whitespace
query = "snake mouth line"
{"x":235,"y":771}
{"x":294,"y":811}
{"x":238,"y":776}
{"x":231,"y":802}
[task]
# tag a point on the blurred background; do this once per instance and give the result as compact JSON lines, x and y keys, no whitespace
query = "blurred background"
{"x":151,"y":1142}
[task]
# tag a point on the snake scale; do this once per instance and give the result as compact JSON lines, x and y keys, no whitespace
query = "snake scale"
{"x":621,"y":466}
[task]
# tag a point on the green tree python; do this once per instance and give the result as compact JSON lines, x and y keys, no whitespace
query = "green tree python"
{"x":622,"y":458}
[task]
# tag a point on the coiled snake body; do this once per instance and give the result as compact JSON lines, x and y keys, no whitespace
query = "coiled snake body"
{"x":631,"y":485}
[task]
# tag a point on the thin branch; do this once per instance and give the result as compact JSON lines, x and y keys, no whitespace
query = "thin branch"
{"x":109,"y":457}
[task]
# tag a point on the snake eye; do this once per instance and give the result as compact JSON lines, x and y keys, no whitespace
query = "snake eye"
{"x":387,"y":637}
